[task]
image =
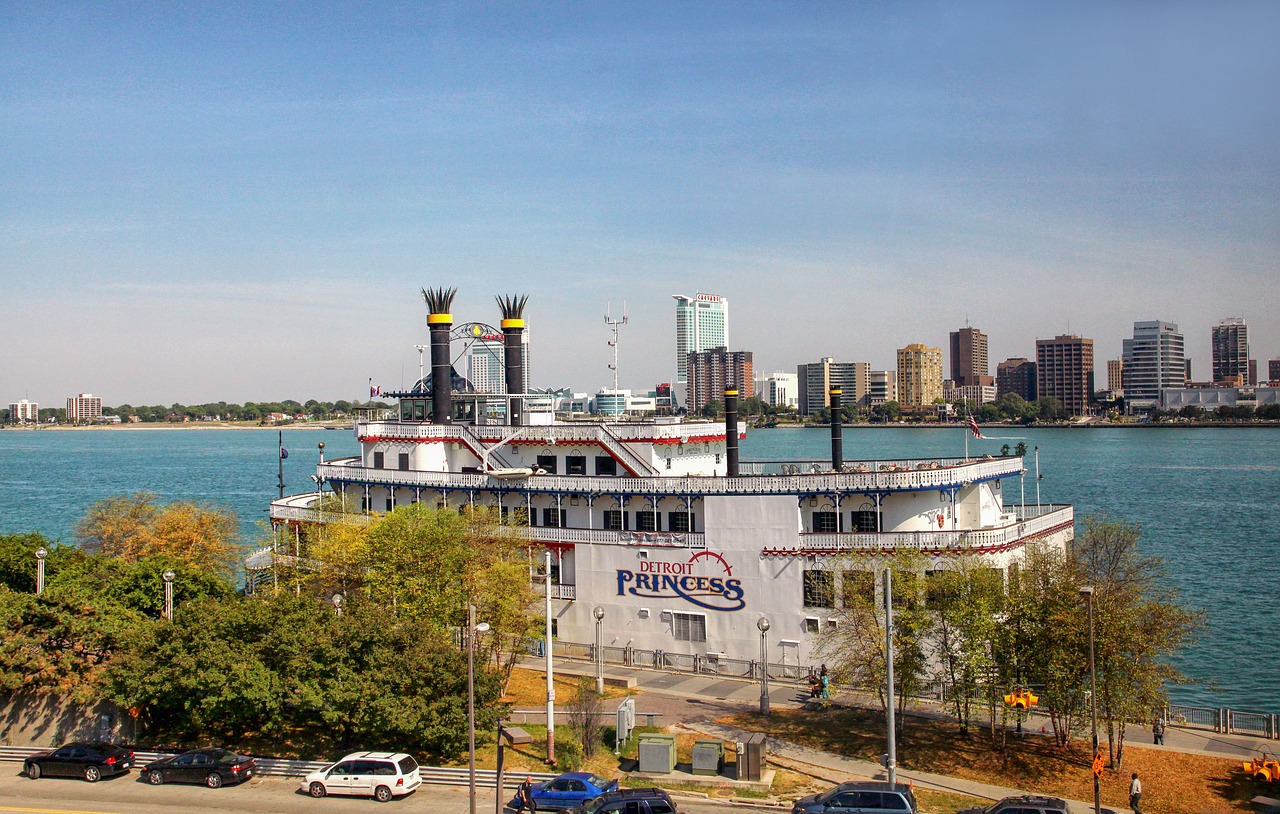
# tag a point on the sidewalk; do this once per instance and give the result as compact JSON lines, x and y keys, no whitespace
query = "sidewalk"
{"x":682,"y":698}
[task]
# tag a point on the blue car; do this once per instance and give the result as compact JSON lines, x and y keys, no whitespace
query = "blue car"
{"x":568,"y":790}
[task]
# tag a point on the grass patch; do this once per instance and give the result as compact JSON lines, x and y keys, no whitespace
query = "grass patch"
{"x":1172,"y":782}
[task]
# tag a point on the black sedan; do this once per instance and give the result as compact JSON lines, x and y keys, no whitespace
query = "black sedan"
{"x":212,"y":767}
{"x":92,"y":761}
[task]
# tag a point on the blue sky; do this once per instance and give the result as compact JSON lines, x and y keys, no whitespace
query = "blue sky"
{"x":240,"y":201}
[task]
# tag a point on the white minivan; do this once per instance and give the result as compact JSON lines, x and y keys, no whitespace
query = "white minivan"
{"x":381,"y":775}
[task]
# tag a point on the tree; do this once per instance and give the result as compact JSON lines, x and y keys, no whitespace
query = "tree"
{"x":965,"y":602}
{"x":584,"y":712}
{"x":18,"y":560}
{"x":194,"y":535}
{"x":712,"y":409}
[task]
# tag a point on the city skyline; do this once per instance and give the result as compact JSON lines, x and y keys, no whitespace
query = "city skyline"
{"x":241,"y":204}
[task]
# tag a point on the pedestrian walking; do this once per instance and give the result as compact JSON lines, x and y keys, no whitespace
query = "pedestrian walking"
{"x":1157,"y":731}
{"x":1135,"y":794}
{"x":524,"y":793}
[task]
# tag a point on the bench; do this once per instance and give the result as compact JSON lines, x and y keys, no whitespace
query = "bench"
{"x":515,"y":735}
{"x":1266,"y":804}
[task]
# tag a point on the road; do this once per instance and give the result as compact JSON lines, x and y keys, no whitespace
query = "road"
{"x":128,"y":794}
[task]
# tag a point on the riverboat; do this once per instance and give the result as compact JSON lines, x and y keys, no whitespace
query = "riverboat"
{"x":658,"y":525}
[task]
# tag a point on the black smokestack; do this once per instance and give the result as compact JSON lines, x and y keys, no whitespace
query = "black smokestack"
{"x":837,"y":430}
{"x":439,"y":302}
{"x":731,"y":430}
{"x":513,"y":346}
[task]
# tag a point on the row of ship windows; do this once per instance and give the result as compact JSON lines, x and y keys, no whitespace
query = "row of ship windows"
{"x":862,"y":521}
{"x":857,"y":588}
{"x":614,"y":519}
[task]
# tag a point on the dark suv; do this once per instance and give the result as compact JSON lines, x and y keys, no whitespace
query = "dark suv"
{"x":869,"y":797}
{"x":629,"y":801}
{"x":1026,"y":804}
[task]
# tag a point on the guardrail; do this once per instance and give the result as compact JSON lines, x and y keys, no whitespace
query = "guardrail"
{"x":1225,"y":720}
{"x":280,"y":767}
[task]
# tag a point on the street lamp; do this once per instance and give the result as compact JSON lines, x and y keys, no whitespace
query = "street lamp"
{"x":168,"y":577}
{"x":41,"y":553}
{"x":763,"y":624}
{"x":1086,"y":592}
{"x":551,"y":683}
{"x":472,"y":630}
{"x":337,"y":603}
{"x":599,"y":614}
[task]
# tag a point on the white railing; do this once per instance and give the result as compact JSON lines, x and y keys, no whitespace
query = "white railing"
{"x":555,"y":433}
{"x":545,"y":534}
{"x":883,"y":480}
{"x":558,"y":591}
{"x":971,"y":539}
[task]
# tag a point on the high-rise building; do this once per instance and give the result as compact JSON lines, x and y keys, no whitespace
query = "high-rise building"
{"x":778,"y":389}
{"x":1115,"y":375}
{"x":84,"y":407}
{"x":1154,"y":360}
{"x":712,"y":371}
{"x":919,"y":376}
{"x":1273,"y":370}
{"x":24,"y":412}
{"x":884,"y":387}
{"x":969,"y":358}
{"x":1064,"y":371}
{"x":702,"y":323}
{"x":1230,"y":342}
{"x":816,"y":379}
{"x":486,"y":356}
{"x":1016,"y":375}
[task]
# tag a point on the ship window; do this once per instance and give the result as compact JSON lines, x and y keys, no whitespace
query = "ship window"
{"x":678,"y":522}
{"x":406,"y":410}
{"x":810,"y":624}
{"x":613,"y":520}
{"x":605,"y":465}
{"x":689,"y":627}
{"x":857,"y":588}
{"x":404,"y":462}
{"x":554,"y":518}
{"x":575,"y":464}
{"x":547,"y":463}
{"x":864,"y":522}
{"x":646,"y":521}
{"x":825,"y":522}
{"x":389,"y":504}
{"x":378,"y":461}
{"x":819,"y":589}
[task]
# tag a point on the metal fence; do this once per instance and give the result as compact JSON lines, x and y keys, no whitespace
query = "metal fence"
{"x":691,"y":663}
{"x":1225,"y":720}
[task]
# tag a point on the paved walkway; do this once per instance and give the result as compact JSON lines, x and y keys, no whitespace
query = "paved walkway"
{"x":696,"y":701}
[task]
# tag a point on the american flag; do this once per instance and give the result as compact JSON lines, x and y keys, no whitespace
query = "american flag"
{"x":973,"y":428}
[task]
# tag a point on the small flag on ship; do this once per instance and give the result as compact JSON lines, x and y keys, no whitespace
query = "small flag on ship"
{"x":284,"y":453}
{"x":973,"y":428}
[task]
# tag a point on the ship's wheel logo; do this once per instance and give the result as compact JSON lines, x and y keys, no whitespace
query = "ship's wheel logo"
{"x":705,"y":580}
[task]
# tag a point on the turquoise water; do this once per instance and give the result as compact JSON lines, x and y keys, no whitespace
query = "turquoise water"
{"x":1206,"y":500}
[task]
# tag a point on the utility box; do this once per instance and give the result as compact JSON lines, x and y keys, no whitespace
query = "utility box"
{"x":657,"y":753}
{"x":708,"y":756}
{"x":752,"y":758}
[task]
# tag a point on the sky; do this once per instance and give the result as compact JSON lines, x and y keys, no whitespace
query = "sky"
{"x":241,"y":201}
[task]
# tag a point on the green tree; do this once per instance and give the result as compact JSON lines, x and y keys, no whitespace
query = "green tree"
{"x":18,"y":559}
{"x":965,"y":602}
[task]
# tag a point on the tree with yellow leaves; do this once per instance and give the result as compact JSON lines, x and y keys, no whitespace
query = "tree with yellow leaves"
{"x":130,"y":527}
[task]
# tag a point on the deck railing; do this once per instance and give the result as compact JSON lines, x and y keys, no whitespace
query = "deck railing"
{"x":1051,"y":517}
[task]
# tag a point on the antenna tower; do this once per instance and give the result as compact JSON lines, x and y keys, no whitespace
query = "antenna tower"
{"x":613,"y":343}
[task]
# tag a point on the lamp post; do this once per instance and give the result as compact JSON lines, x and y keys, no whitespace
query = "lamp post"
{"x":41,"y":553}
{"x":551,"y":686}
{"x":337,"y":604}
{"x":891,"y":756}
{"x":763,"y":624}
{"x":599,"y":615}
{"x":1086,"y":592}
{"x":472,"y":630}
{"x":168,"y":577}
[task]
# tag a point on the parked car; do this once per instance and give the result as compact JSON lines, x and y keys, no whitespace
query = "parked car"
{"x":568,"y":790}
{"x":89,"y":760}
{"x":629,"y":801}
{"x":869,"y":797}
{"x":382,"y":775}
{"x":1023,"y":804}
{"x":213,"y":767}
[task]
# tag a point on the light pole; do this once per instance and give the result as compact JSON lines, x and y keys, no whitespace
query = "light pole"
{"x":551,"y":686}
{"x":168,"y":577}
{"x":763,"y":624}
{"x":472,"y":630}
{"x":1086,"y":591}
{"x":41,"y":553}
{"x":337,"y":604}
{"x":599,"y":614}
{"x":891,"y":756}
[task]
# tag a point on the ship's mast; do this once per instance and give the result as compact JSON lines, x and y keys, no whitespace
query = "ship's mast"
{"x":614,"y":324}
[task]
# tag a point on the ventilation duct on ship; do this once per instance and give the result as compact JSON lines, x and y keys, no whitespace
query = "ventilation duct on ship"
{"x":439,"y":302}
{"x":837,"y":429}
{"x":731,"y":431}
{"x":512,"y":308}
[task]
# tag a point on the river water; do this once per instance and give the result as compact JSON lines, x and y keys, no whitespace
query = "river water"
{"x":1208,"y":502}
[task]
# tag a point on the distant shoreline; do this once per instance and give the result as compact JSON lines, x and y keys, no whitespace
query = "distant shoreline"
{"x":187,"y":425}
